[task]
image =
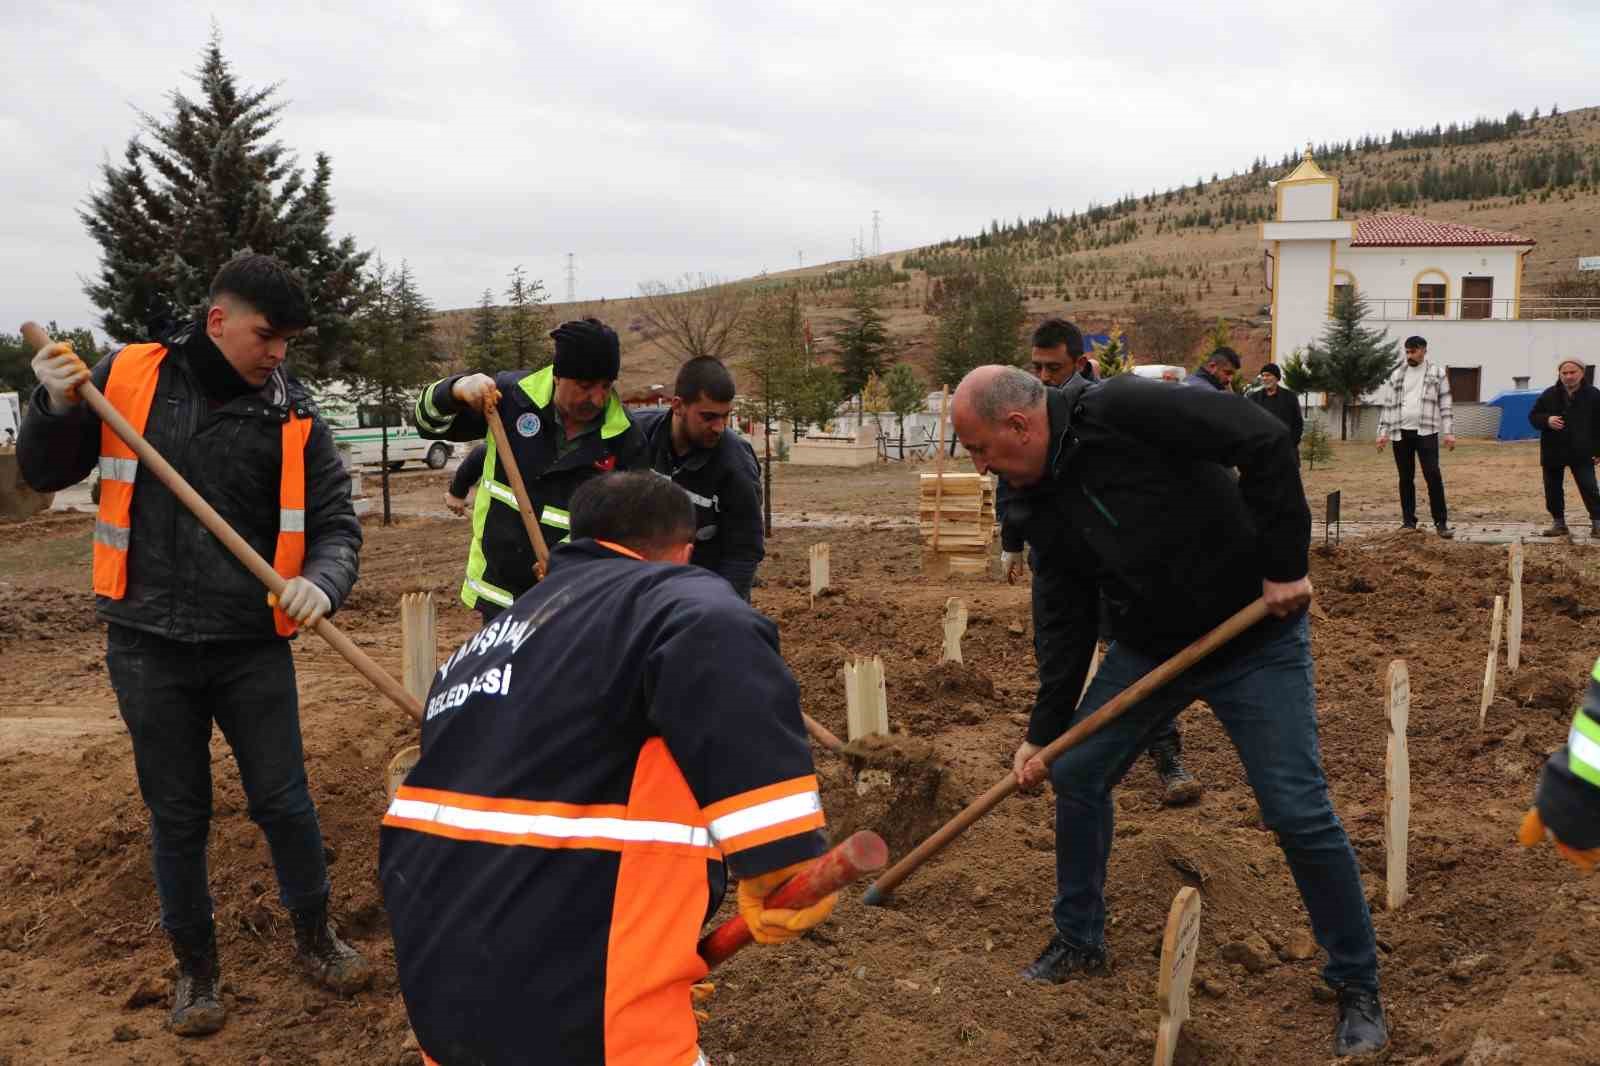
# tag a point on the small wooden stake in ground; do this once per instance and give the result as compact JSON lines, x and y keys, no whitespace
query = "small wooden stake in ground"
{"x":866,"y":701}
{"x":1494,"y":657}
{"x":1397,"y":785}
{"x":820,"y":575}
{"x":419,"y":656}
{"x":1180,"y":946}
{"x":1514,"y":633}
{"x":955,"y":626}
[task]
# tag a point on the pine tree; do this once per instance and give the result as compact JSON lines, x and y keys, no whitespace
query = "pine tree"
{"x":863,"y":343}
{"x":526,"y":330}
{"x":907,"y":396}
{"x":1112,"y":357}
{"x":397,"y":351}
{"x":198,"y":187}
{"x":485,"y":349}
{"x":1350,"y":360}
{"x":979,"y":320}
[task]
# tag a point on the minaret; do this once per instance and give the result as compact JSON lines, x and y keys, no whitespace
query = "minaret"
{"x":1303,"y":241}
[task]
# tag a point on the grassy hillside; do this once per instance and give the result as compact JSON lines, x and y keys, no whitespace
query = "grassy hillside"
{"x":1538,"y":177}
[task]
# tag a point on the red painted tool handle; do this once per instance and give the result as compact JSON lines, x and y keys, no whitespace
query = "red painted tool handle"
{"x":862,"y":854}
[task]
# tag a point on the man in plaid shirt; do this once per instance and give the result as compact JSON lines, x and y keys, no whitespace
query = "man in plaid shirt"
{"x":1416,"y":410}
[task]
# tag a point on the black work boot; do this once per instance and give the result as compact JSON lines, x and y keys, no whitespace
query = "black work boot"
{"x":1061,"y":961}
{"x":1558,"y":528}
{"x":196,"y":997}
{"x":1361,"y":1026}
{"x":1178,"y":785}
{"x":331,"y":962}
{"x":1445,"y":532}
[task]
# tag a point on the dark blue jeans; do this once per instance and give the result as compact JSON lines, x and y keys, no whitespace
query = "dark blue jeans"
{"x":1266,"y":701}
{"x":169,"y":694}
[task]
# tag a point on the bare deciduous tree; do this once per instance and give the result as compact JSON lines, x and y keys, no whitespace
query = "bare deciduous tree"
{"x":697,"y":315}
{"x":1168,"y":330}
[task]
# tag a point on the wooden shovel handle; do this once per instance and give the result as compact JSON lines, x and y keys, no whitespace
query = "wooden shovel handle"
{"x":151,"y":460}
{"x":1149,"y":683}
{"x":508,"y":459}
{"x":857,"y":857}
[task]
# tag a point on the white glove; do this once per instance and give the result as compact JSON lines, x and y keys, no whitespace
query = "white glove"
{"x":302,"y":601}
{"x":60,"y":371}
{"x":1012,"y":564}
{"x":473,"y":389}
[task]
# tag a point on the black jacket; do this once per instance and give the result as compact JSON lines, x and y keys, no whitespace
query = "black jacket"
{"x":1139,"y":509}
{"x":468,"y":473}
{"x":725,"y":484}
{"x":1579,"y":442}
{"x":1286,"y":405}
{"x":527,"y":411}
{"x":182,"y":583}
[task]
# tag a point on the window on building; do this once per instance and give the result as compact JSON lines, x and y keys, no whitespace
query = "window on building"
{"x":1430,"y":298}
{"x":372,"y":417}
{"x":1464,"y":382}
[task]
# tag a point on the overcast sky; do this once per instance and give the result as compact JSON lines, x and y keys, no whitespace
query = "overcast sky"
{"x":656,"y":138}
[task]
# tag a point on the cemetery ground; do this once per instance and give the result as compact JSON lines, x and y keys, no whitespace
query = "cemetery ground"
{"x":1485,"y":963}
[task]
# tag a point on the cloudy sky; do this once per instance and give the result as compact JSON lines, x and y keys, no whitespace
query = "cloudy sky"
{"x":660,"y":137}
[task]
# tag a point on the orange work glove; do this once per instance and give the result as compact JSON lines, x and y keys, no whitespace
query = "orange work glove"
{"x":1533,"y":831}
{"x":778,"y":925}
{"x":699,"y":993}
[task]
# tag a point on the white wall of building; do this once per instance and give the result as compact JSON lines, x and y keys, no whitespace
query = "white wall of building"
{"x":1300,"y":300}
{"x":1504,"y":351}
{"x":1387,"y":277}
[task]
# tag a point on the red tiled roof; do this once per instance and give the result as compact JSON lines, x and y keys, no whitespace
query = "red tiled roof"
{"x":1391,"y":229}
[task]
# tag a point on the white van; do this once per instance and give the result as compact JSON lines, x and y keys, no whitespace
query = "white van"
{"x":359,"y":429}
{"x":1161,"y":372}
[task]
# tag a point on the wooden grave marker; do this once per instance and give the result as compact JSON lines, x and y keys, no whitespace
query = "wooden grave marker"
{"x":1494,"y":657}
{"x":1180,"y":947}
{"x":867,"y":713}
{"x":955,"y":627}
{"x":419,"y":657}
{"x":821,"y":573}
{"x":1397,"y":786}
{"x":1514,"y":622}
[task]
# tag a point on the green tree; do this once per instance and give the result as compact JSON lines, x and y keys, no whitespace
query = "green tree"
{"x":907,"y":396}
{"x":1113,"y":357}
{"x":198,"y":187}
{"x":774,"y":343}
{"x":864,"y":342}
{"x":485,"y":346}
{"x":979,"y":315}
{"x":397,"y":352}
{"x":1350,"y":360}
{"x":1315,"y":447}
{"x":16,"y":358}
{"x":525,"y":333}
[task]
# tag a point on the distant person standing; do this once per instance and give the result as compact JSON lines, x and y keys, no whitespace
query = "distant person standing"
{"x":1217,"y":371}
{"x":1416,"y":413}
{"x":1565,"y":417}
{"x":1280,"y":401}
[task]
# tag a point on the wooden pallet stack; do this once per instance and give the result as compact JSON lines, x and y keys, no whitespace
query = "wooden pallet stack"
{"x":956,"y":519}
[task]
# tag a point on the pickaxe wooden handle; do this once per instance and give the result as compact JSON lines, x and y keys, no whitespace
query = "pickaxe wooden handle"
{"x":150,"y":459}
{"x":1238,"y":623}
{"x":857,"y":857}
{"x":508,"y":459}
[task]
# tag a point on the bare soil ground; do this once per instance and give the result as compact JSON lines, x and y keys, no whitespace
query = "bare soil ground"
{"x":1486,"y":964}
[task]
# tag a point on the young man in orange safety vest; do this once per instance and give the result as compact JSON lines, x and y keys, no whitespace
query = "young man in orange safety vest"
{"x":192,"y":638}
{"x":583,"y":757}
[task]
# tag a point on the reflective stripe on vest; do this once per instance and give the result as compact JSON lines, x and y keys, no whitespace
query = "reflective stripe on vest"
{"x":131,"y":389}
{"x":1583,"y":748}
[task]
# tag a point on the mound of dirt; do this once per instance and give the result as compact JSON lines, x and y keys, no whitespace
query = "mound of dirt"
{"x":895,"y":786}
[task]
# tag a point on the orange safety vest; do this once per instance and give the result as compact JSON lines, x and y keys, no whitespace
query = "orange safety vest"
{"x":131,"y":389}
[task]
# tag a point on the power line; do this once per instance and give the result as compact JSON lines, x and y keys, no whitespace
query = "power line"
{"x":876,"y":247}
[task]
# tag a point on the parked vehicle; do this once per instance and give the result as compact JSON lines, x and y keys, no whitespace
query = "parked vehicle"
{"x":360,"y":427}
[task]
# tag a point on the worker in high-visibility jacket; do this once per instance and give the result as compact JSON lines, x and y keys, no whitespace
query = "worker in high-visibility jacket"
{"x":583,"y":758}
{"x":1566,"y":803}
{"x":192,"y":637}
{"x":566,"y":425}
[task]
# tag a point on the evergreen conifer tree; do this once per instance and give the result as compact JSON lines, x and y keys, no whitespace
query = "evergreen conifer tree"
{"x":863,"y":343}
{"x":1350,"y":360}
{"x":397,"y":352}
{"x":526,"y":329}
{"x":201,"y":185}
{"x":907,"y":396}
{"x":485,"y":348}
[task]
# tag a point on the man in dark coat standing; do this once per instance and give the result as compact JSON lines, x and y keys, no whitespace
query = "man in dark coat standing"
{"x":1565,"y":415}
{"x":1280,"y":401}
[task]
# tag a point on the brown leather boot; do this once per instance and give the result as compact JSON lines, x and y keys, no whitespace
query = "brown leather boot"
{"x":196,"y":996}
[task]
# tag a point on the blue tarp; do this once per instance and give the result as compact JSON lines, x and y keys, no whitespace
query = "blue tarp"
{"x":1514,"y":407}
